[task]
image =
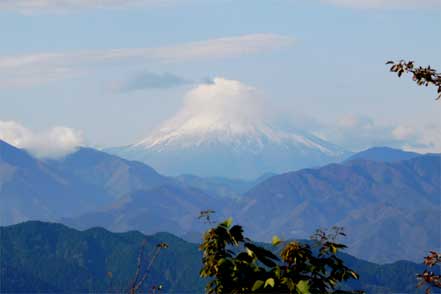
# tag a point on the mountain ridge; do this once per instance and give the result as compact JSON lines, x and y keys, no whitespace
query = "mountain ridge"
{"x":30,"y":188}
{"x":85,"y":180}
{"x":383,"y":154}
{"x":359,"y":194}
{"x":369,"y":198}
{"x":80,"y":261}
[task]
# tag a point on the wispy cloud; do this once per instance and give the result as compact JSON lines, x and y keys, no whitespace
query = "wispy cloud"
{"x":51,"y":6}
{"x":40,"y":67}
{"x":55,"y":142}
{"x":209,"y":49}
{"x":31,"y":6}
{"x":386,"y":3}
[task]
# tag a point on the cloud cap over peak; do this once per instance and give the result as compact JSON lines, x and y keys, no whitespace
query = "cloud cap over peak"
{"x":223,"y":101}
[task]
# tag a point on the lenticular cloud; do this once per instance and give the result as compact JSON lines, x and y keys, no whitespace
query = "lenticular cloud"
{"x":221,"y":100}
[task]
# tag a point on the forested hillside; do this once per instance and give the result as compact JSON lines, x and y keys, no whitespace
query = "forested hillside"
{"x":49,"y":257}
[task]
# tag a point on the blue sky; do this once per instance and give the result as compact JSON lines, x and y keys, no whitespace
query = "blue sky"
{"x":106,"y":73}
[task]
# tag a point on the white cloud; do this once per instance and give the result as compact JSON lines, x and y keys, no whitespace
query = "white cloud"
{"x":404,"y":133}
{"x":386,"y":3}
{"x":30,"y":6}
{"x":55,"y":142}
{"x":428,"y":140}
{"x":360,"y":132}
{"x":353,"y":121}
{"x":210,"y":49}
{"x":43,"y":67}
{"x":33,"y":6}
{"x":221,"y":102}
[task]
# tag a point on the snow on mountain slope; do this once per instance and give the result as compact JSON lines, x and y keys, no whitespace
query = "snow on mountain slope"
{"x":239,"y":136}
{"x":221,"y":131}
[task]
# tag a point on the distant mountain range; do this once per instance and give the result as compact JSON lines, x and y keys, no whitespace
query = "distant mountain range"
{"x":383,"y":154}
{"x":229,"y":148}
{"x":92,"y":183}
{"x":390,"y":210}
{"x":40,"y":257}
{"x":31,"y":189}
{"x":166,"y":208}
{"x":116,"y":176}
{"x":222,"y":187}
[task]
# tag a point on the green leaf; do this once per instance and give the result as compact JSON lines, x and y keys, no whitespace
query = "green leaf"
{"x":289,"y":283}
{"x":221,"y":261}
{"x":228,"y":222}
{"x":270,"y":282}
{"x":261,"y":252}
{"x":276,"y":240}
{"x":257,"y":285}
{"x":302,"y":287}
{"x":250,"y":253}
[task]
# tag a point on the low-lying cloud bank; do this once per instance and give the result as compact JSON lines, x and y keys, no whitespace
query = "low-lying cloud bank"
{"x":52,"y":143}
{"x":360,"y":132}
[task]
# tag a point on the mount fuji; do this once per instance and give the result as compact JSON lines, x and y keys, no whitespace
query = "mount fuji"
{"x":220,"y":132}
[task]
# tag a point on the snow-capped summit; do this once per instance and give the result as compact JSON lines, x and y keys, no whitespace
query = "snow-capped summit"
{"x":220,"y":132}
{"x":239,"y":137}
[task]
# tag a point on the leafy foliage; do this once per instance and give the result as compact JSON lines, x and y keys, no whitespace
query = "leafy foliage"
{"x":428,"y":277}
{"x":235,"y":265}
{"x":423,"y":76}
